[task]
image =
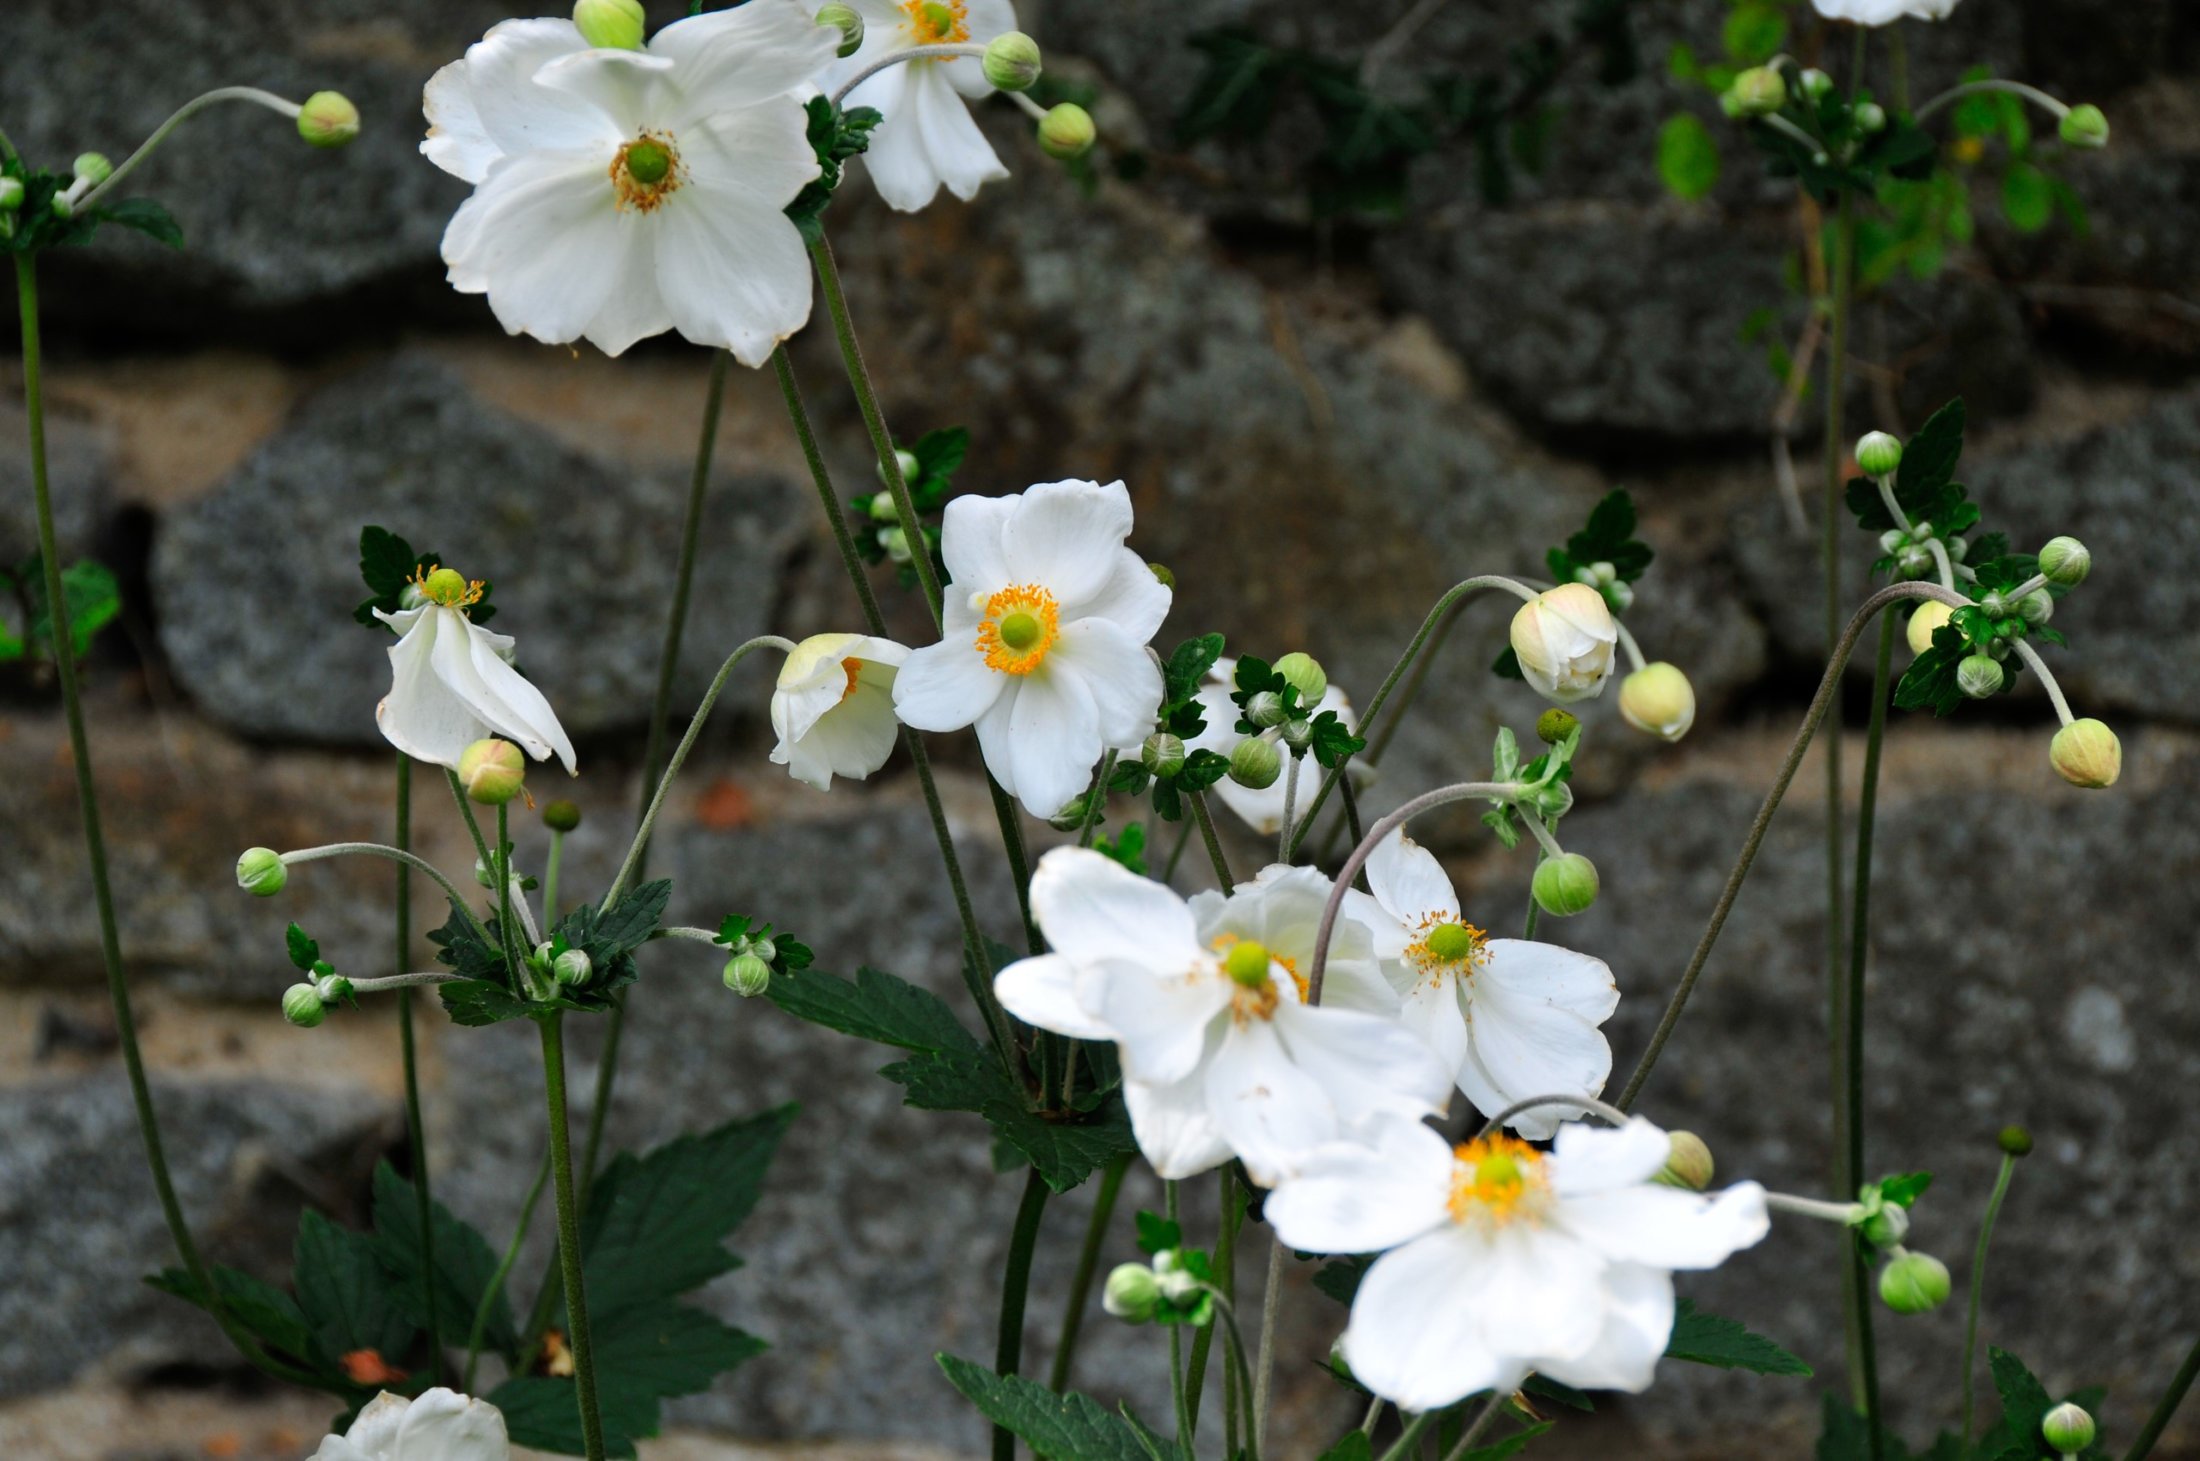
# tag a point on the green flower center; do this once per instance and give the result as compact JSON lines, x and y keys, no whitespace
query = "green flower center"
{"x":1247,"y":964}
{"x":647,"y":163}
{"x":1451,"y":942}
{"x":1020,"y":631}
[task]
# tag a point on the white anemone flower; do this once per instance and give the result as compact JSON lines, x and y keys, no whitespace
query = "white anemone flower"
{"x":1503,"y":1259}
{"x":1262,"y":808}
{"x":1564,"y":638}
{"x":454,"y":682}
{"x":1043,"y":647}
{"x":1884,"y":12}
{"x":1220,"y":1052}
{"x":1281,"y":910}
{"x":620,"y":194}
{"x":1510,"y":1018}
{"x":438,"y":1426}
{"x":926,"y":137}
{"x":834,"y":707}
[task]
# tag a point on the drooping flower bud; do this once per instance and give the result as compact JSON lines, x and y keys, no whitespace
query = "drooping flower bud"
{"x":611,"y":25}
{"x":2065,"y":561}
{"x":1565,"y":885}
{"x":303,"y":1007}
{"x":2086,"y":753}
{"x":561,"y":816}
{"x":1925,"y":622}
{"x":1255,"y":764}
{"x":747,"y":975}
{"x":1162,"y":754}
{"x":1914,"y":1283}
{"x":1688,"y":1164}
{"x":1012,"y":61}
{"x":1979,"y":676}
{"x":1070,"y":816}
{"x":1658,"y":698}
{"x":764,"y":949}
{"x":2067,"y":1428}
{"x":1297,"y":735}
{"x":1878,"y":453}
{"x":896,"y":543}
{"x":2084,"y":125}
{"x":261,"y":873}
{"x":883,"y":508}
{"x":1888,"y":1226}
{"x":92,"y":168}
{"x":1305,"y":674}
{"x":1066,"y":132}
{"x":328,"y":120}
{"x":1563,"y":638}
{"x":573,"y":967}
{"x":2014,"y":1140}
{"x":905,"y":461}
{"x":844,"y":19}
{"x":492,"y":771}
{"x":1759,"y":91}
{"x":1554,"y":725}
{"x":1133,"y":1293}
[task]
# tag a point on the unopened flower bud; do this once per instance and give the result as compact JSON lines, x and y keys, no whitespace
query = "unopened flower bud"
{"x":883,"y":508}
{"x":2014,"y":1140}
{"x":1554,"y":725}
{"x":1730,"y":106}
{"x":1264,"y":708}
{"x":2084,"y":125}
{"x":328,"y":119}
{"x":1133,"y":1293}
{"x":2067,"y":1428}
{"x":1564,"y":638}
{"x":844,"y":19}
{"x":92,"y":168}
{"x":1012,"y":61}
{"x":611,"y":25}
{"x":1925,"y":622}
{"x":1816,"y":84}
{"x":1887,"y":1227}
{"x":1247,"y":963}
{"x":11,"y":194}
{"x":764,"y":949}
{"x":1066,"y":132}
{"x":1163,"y":754}
{"x":2036,"y":607}
{"x":1658,"y":698}
{"x":303,"y":1007}
{"x":573,"y":967}
{"x":333,"y":988}
{"x":1893,"y":540}
{"x":561,"y":816}
{"x":1070,"y":816}
{"x":1297,"y":735}
{"x":1878,"y":453}
{"x":1255,"y":764}
{"x":1688,"y":1164}
{"x":1979,"y":676}
{"x":2065,"y":561}
{"x":1305,"y":674}
{"x":1759,"y":92}
{"x":492,"y":771}
{"x":1914,"y":1283}
{"x":261,"y":873}
{"x":1565,"y":885}
{"x":2086,"y":753}
{"x":896,"y":543}
{"x":747,"y":975}
{"x":1871,"y":117}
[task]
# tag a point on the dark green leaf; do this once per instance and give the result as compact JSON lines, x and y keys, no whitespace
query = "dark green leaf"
{"x":1904,"y":1189}
{"x":264,"y":1310}
{"x":665,"y":1349}
{"x":89,"y":590}
{"x":1202,"y":769}
{"x":304,"y":952}
{"x":1551,"y":1389}
{"x":1188,"y":666}
{"x":146,"y":216}
{"x":1340,"y":1277}
{"x":1354,"y":1447}
{"x":347,"y":1300}
{"x":1507,"y":665}
{"x":877,"y":1006}
{"x":1065,"y":1427}
{"x":1707,"y":1339}
{"x":1688,"y":160}
{"x":1237,"y":92}
{"x":476,"y":1002}
{"x":2024,"y":1404}
{"x":464,"y":1264}
{"x":543,"y":1413}
{"x":1334,"y":740}
{"x":1156,"y":1234}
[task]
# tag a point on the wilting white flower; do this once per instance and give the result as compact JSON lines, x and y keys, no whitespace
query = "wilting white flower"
{"x":834,"y":707}
{"x":1884,"y":12}
{"x":1563,"y":638}
{"x":620,"y":194}
{"x":438,"y":1426}
{"x":1044,"y":642}
{"x":1504,"y":1259}
{"x":1510,"y":1018}
{"x":454,"y":682}
{"x":926,"y":137}
{"x":1261,"y":808}
{"x":1220,"y":1052}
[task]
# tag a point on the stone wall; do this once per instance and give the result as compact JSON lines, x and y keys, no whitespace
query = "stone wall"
{"x":1322,"y":427}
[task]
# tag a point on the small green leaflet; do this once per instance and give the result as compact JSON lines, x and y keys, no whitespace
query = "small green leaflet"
{"x":89,"y":590}
{"x":835,"y":135}
{"x":1688,"y":158}
{"x":38,"y":227}
{"x":1065,"y":1427}
{"x":304,"y":952}
{"x":1707,"y":1339}
{"x":1608,"y":537}
{"x":265,"y":1311}
{"x":1904,"y":1189}
{"x":387,"y":563}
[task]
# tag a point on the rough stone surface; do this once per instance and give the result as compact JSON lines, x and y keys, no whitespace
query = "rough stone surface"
{"x":76,"y":468}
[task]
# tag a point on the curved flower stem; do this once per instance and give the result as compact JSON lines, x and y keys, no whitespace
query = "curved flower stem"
{"x":2048,"y":104}
{"x":1843,"y":1214}
{"x":394,"y":854}
{"x":1977,"y":1286}
{"x":466,"y":815}
{"x":1008,"y":1349}
{"x":2038,"y":666}
{"x":1482,"y":1420}
{"x":1409,"y":1441}
{"x":1235,"y":1343}
{"x":405,"y":983}
{"x":1206,"y":821}
{"x":1628,"y":645}
{"x":569,"y":1236}
{"x":1819,"y":704}
{"x":1609,"y":1112}
{"x":947,"y":51}
{"x":496,"y":1282}
{"x":2166,"y":1407}
{"x":182,"y":114}
{"x":415,"y":1128}
{"x":1852,"y":1126}
{"x":1414,"y":647}
{"x":1088,"y":1263}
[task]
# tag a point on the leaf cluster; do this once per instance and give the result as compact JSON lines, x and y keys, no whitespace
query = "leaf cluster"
{"x":1846,"y":1435}
{"x":1181,"y":715}
{"x":938,"y":453}
{"x":495,"y":986}
{"x":836,"y":134}
{"x":34,"y":227}
{"x":90,"y":595}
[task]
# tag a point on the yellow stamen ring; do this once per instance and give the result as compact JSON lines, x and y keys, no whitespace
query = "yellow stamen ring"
{"x":1447,"y":945}
{"x":1494,"y":1178}
{"x":1021,"y":624}
{"x":938,"y":22}
{"x":445,"y":586}
{"x":645,"y":172}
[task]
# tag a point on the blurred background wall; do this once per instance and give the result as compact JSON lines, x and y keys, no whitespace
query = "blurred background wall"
{"x":1324,"y":421}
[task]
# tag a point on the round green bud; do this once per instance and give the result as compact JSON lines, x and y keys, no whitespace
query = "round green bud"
{"x":328,"y":119}
{"x":896,"y":543}
{"x":1265,"y":708}
{"x":1565,"y":885}
{"x":492,"y":771}
{"x":1162,"y":574}
{"x":1070,"y":816}
{"x":1163,"y":754}
{"x":1878,"y":453}
{"x":1730,"y":106}
{"x":573,"y":967}
{"x":11,"y":194}
{"x":2014,"y":1140}
{"x":1132,"y":1294}
{"x":2065,"y":561}
{"x":1979,"y":676}
{"x":561,"y":816}
{"x":1297,"y":734}
{"x":764,"y":949}
{"x":844,"y":19}
{"x":611,"y":25}
{"x":1658,"y":699}
{"x":2036,"y":607}
{"x":1554,"y":725}
{"x":1304,"y":673}
{"x":1914,"y":1283}
{"x":747,"y":975}
{"x":261,"y":873}
{"x":1688,"y":1164}
{"x":883,"y":509}
{"x":1012,"y":61}
{"x":93,"y":168}
{"x":1066,"y":132}
{"x":1817,"y":85}
{"x":2067,"y":1428}
{"x":333,"y":988}
{"x":1871,"y":117}
{"x":1255,"y":764}
{"x":443,"y":586}
{"x":1247,"y":963}
{"x":1887,"y":1227}
{"x":1758,"y":92}
{"x":1925,"y":622}
{"x":2086,"y":753}
{"x":647,"y":162}
{"x":2084,"y":126}
{"x":905,"y":462}
{"x":303,"y":1006}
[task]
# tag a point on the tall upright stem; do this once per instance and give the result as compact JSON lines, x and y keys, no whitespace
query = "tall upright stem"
{"x":1977,"y":1287}
{"x":2166,"y":1407}
{"x":1088,"y":1264}
{"x":1858,"y":1309}
{"x":415,"y":1129}
{"x":569,"y":1236}
{"x":1264,"y":1372}
{"x":1008,"y":1349}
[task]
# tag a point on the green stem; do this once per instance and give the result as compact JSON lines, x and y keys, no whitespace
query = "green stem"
{"x":503,"y":1272}
{"x":569,"y":1236}
{"x":1264,"y":1373}
{"x":1008,"y":1350}
{"x":280,"y":105}
{"x":1179,"y":1388}
{"x":550,"y":878}
{"x":1232,"y":1216}
{"x":473,"y":828}
{"x":2166,"y":1407}
{"x":1206,"y":821}
{"x":1482,"y":1421}
{"x":1978,"y":1288}
{"x":415,"y":1128}
{"x":1411,"y":1438}
{"x":1852,"y":1158}
{"x":1088,"y":1264}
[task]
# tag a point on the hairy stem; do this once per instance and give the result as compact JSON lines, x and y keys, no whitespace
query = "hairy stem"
{"x":1206,"y":821}
{"x":1264,"y":1372}
{"x":1008,"y":1349}
{"x":1088,"y":1264}
{"x":569,"y":1236}
{"x":415,"y":1129}
{"x":1852,"y":1064}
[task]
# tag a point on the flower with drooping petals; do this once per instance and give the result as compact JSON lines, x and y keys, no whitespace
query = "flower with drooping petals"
{"x":834,"y":707}
{"x":1503,"y":1259}
{"x":1043,"y":644}
{"x":454,"y":682}
{"x":1564,"y":638}
{"x":1220,"y":1052}
{"x":440,"y":1425}
{"x":619,"y":194}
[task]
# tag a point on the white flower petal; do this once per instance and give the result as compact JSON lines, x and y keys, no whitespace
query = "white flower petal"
{"x":897,"y":161}
{"x":629,"y":88}
{"x":735,"y":57}
{"x":960,"y":155}
{"x":1092,"y":907}
{"x":948,"y":685}
{"x":1666,"y":1227}
{"x":1590,"y":1158}
{"x":1528,"y":969}
{"x":1638,"y":1324}
{"x":377,"y":1427}
{"x":1173,"y":1128}
{"x":1539,"y":1295}
{"x":1431,"y":1011}
{"x":1053,"y":740}
{"x":487,"y":105}
{"x":337,"y":1448}
{"x":1131,"y":596}
{"x":1533,"y":1049}
{"x":734,"y":271}
{"x":1042,"y":991}
{"x":467,"y":658}
{"x":635,"y":308}
{"x":443,"y":1426}
{"x":1408,"y":881}
{"x":996,"y":739}
{"x":971,"y":531}
{"x":853,"y":739}
{"x":1115,"y":670}
{"x":1271,"y":1110}
{"x":1413,"y":1337}
{"x":1350,"y":1197}
{"x":1366,"y":1065}
{"x":420,"y":716}
{"x":1063,"y":535}
{"x":540,"y":237}
{"x":1160,"y":1019}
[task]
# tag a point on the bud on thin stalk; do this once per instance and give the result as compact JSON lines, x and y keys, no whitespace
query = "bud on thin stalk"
{"x":1565,"y":885}
{"x":611,"y":25}
{"x":1066,"y":132}
{"x":261,"y":872}
{"x":1012,"y":61}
